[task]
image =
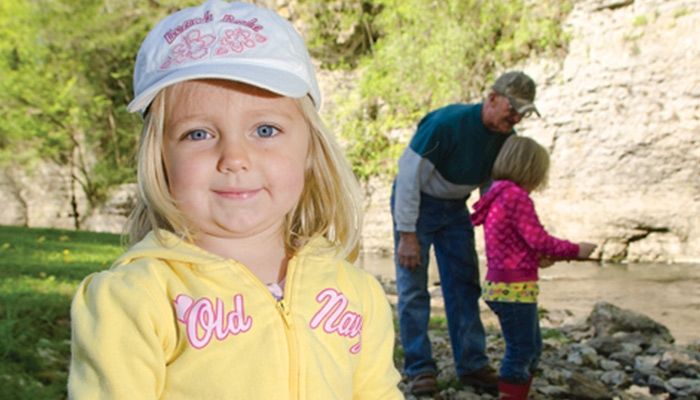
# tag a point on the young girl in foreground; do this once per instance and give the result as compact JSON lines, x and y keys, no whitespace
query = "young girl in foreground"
{"x":238,"y":285}
{"x":516,"y":246}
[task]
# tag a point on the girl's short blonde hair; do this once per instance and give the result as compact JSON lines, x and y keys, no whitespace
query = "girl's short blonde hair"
{"x":330,"y":203}
{"x":524,"y":161}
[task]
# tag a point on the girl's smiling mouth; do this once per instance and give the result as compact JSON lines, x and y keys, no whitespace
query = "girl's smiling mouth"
{"x":237,"y":194}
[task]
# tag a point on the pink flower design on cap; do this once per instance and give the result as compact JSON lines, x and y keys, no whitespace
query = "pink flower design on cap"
{"x":192,"y":46}
{"x":237,"y":41}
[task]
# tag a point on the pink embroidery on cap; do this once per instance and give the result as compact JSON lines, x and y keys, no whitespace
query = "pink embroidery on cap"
{"x":173,"y":33}
{"x":193,"y":46}
{"x":237,"y":41}
{"x":251,"y":23}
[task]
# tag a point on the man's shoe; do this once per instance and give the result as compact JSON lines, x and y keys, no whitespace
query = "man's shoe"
{"x":484,"y":378}
{"x":423,"y":384}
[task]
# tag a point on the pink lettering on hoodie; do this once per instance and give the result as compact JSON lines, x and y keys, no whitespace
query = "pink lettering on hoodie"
{"x":204,"y":319}
{"x":338,"y":319}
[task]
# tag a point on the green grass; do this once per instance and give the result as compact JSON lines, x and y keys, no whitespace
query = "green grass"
{"x":40,"y":270}
{"x":438,"y":323}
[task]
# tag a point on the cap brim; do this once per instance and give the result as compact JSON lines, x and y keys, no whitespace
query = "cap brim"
{"x":523,"y":106}
{"x":275,"y":80}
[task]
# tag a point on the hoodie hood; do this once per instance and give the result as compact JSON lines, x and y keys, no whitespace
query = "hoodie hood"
{"x":482,"y":207}
{"x":166,"y":245}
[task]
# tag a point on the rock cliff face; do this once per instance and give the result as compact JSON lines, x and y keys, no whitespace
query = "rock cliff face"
{"x":620,"y":116}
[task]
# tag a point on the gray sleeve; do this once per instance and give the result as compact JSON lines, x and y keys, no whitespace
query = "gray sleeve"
{"x":408,"y":187}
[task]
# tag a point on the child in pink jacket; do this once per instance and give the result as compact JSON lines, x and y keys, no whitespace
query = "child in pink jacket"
{"x":516,"y":246}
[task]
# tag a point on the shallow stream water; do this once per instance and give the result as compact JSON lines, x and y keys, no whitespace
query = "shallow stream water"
{"x":667,"y":293}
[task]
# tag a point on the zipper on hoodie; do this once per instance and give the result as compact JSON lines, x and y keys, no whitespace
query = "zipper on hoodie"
{"x":289,"y":331}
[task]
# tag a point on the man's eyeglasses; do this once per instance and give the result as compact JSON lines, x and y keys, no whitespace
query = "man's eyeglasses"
{"x":513,"y":112}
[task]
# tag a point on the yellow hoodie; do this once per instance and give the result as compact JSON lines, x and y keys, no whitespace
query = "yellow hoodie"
{"x":172,"y":321}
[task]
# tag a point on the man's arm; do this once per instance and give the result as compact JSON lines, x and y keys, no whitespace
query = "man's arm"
{"x":406,"y":207}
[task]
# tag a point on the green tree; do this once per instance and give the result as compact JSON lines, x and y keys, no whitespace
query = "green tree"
{"x":66,"y":68}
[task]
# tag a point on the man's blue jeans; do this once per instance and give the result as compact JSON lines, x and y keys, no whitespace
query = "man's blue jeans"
{"x":444,"y":224}
{"x":521,"y":331}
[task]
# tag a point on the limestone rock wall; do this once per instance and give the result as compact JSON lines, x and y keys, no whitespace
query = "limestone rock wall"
{"x":39,"y":197}
{"x":622,"y":122}
{"x":43,"y":197}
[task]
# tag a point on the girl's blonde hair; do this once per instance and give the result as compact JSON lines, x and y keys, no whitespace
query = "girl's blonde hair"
{"x":523,"y":161}
{"x":330,"y":203}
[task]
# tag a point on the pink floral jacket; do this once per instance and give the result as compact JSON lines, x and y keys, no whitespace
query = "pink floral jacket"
{"x":515,"y":238}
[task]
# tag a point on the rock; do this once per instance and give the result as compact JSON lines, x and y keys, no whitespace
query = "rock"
{"x":638,"y":392}
{"x":656,"y":384}
{"x":631,"y":348}
{"x":112,"y":215}
{"x":676,"y":362}
{"x":552,"y":391}
{"x":683,"y":386}
{"x":646,"y":365}
{"x":615,"y":378}
{"x":582,"y":354}
{"x":608,"y":319}
{"x":694,"y":345}
{"x":605,"y":345}
{"x":578,"y":332}
{"x":610,"y":365}
{"x":624,"y":358}
{"x":575,"y":358}
{"x":644,"y":368}
{"x":582,"y":387}
{"x":556,"y":376}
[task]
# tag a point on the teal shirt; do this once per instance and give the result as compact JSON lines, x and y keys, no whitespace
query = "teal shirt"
{"x":450,"y":155}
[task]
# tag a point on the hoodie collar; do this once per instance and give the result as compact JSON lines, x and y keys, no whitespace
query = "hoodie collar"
{"x":166,"y":245}
{"x":482,"y":207}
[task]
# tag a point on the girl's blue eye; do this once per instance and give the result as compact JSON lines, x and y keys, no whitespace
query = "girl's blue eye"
{"x":266,"y":131}
{"x":197,"y":134}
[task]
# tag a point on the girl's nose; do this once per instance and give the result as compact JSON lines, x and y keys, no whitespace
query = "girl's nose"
{"x":234,"y":158}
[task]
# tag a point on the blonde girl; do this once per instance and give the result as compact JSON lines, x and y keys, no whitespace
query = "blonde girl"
{"x":239,"y":282}
{"x":516,"y":246}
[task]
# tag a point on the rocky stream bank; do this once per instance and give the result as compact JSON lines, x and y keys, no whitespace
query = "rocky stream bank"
{"x":613,"y":354}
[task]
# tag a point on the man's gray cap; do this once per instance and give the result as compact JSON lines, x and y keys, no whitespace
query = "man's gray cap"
{"x":519,"y":89}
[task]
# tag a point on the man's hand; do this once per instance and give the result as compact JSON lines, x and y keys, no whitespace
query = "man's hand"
{"x":408,"y":251}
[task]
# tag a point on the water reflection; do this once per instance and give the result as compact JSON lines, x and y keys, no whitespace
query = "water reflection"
{"x":669,"y":294}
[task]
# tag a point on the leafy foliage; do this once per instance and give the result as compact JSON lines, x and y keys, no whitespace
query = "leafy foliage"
{"x":66,"y":68}
{"x":339,"y":31}
{"x":425,"y":54}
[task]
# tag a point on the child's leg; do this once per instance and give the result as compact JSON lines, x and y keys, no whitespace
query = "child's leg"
{"x":538,"y":347}
{"x":520,"y":327}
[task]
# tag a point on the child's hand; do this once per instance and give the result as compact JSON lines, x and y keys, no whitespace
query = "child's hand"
{"x":546,"y":262}
{"x":585,"y":249}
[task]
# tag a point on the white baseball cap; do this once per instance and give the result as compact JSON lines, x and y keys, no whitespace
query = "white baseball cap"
{"x":220,"y":40}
